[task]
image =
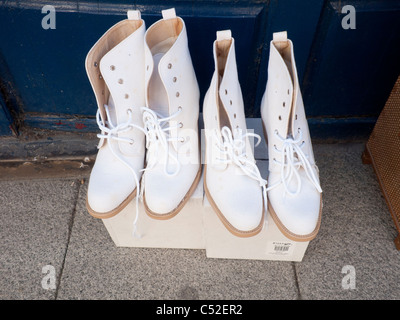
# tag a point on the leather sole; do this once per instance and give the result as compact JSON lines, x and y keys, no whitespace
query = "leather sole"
{"x":109,"y":214}
{"x":285,"y":231}
{"x":227,"y":224}
{"x":173,"y":213}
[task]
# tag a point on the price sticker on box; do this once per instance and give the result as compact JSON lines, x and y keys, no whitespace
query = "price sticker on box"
{"x":283,"y":248}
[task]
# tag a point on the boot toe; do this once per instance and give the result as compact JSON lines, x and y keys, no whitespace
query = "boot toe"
{"x":111,"y":184}
{"x":299,"y":214}
{"x":244,"y":215}
{"x":105,"y":197}
{"x":164,"y":194}
{"x":242,"y":208}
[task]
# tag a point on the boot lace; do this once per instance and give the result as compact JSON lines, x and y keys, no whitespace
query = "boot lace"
{"x":158,"y":136}
{"x":292,"y":159}
{"x":110,"y":131}
{"x":233,"y":151}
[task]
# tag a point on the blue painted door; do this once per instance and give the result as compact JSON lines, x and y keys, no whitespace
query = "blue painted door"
{"x":346,"y":74}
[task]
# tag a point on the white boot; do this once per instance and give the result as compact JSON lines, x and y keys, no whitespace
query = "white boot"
{"x":115,"y":67}
{"x":294,"y":191}
{"x":232,"y":181}
{"x":170,"y":117}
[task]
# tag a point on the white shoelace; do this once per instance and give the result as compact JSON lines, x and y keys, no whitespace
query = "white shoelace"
{"x":111,"y":132}
{"x":232,"y":148}
{"x":158,"y":135}
{"x":292,"y":159}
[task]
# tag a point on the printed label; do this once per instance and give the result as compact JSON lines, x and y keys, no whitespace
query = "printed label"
{"x":282,"y":248}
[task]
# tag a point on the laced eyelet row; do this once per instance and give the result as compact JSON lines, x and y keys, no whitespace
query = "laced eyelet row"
{"x":177,"y":94}
{"x":120,"y":80}
{"x":230,"y":103}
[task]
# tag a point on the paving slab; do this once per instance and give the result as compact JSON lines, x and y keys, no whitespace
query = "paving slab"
{"x":96,"y":269}
{"x":35,"y":217}
{"x":353,"y":256}
{"x":44,"y":222}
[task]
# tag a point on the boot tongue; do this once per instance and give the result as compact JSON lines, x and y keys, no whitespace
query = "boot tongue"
{"x":171,"y":60}
{"x":229,"y":91}
{"x":226,"y":88}
{"x":166,"y":56}
{"x":231,"y":107}
{"x":283,"y":84}
{"x":295,"y":91}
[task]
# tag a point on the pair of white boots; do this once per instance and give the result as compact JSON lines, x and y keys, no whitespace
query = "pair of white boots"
{"x":148,"y":108}
{"x":233,"y":183}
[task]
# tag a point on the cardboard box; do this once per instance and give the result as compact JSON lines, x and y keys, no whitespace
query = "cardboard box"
{"x":185,"y":230}
{"x":269,"y":244}
{"x":197,"y":226}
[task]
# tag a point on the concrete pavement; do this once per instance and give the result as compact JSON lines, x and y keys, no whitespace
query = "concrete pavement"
{"x":45,"y":228}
